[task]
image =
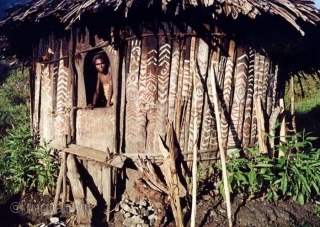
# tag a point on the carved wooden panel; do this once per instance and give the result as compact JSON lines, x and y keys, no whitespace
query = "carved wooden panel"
{"x":249,"y":104}
{"x":152,"y":93}
{"x":227,"y":93}
{"x":239,"y":98}
{"x":132,"y":96}
{"x":174,"y":64}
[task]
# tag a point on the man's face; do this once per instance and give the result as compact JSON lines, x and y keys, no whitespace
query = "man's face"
{"x":100,"y":65}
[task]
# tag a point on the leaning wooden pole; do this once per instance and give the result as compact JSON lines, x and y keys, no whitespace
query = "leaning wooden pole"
{"x":194,"y":163}
{"x":222,"y":152}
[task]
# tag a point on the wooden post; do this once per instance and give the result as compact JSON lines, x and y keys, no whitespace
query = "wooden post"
{"x":260,"y":125}
{"x":282,"y":126}
{"x":194,"y":163}
{"x":64,"y":178}
{"x":222,"y":152}
{"x":292,"y":105}
{"x":107,"y":186}
{"x":83,"y":212}
{"x":58,"y":190}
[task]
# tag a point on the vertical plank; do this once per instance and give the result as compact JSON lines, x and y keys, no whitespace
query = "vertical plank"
{"x":173,"y":80}
{"x":198,"y":92}
{"x":254,"y":131}
{"x":132,"y":96}
{"x":210,"y":117}
{"x":62,"y":99}
{"x":192,"y":73}
{"x":275,"y":85}
{"x":37,"y":98}
{"x":46,"y":103}
{"x":239,"y":98}
{"x":270,"y":88}
{"x":227,"y":92}
{"x":186,"y":91}
{"x":152,"y":93}
{"x":142,"y":102}
{"x":266,"y":81}
{"x":163,"y":86}
{"x":179,"y":90}
{"x":248,"y":107}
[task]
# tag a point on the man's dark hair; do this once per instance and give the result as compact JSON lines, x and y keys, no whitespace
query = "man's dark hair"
{"x":99,"y":56}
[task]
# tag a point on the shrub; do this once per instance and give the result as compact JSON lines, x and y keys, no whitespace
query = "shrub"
{"x":296,"y":174}
{"x":24,"y":166}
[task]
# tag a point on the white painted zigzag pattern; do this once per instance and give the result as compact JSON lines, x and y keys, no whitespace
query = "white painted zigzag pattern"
{"x":248,"y":109}
{"x":237,"y":112}
{"x":227,"y":91}
{"x":132,"y":96}
{"x":173,"y":81}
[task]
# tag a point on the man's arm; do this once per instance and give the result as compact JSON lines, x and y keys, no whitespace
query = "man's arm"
{"x":96,"y":94}
{"x":109,"y":103}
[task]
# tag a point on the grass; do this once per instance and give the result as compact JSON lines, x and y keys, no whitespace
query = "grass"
{"x":307,"y":106}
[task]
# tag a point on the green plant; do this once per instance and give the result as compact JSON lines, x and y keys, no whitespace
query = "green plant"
{"x":248,"y":175}
{"x":203,"y":173}
{"x":25,"y":166}
{"x":45,"y":169}
{"x":16,"y":159}
{"x":296,"y":174}
{"x":14,"y":101}
{"x":317,"y":209}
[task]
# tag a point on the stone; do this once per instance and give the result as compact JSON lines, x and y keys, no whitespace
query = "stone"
{"x":137,"y":219}
{"x":127,"y":215}
{"x":134,"y":211}
{"x":125,"y":207}
{"x":129,"y":222}
{"x":54,"y":220}
{"x":143,"y":203}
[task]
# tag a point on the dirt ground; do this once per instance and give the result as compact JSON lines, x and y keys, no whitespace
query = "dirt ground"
{"x":24,"y":211}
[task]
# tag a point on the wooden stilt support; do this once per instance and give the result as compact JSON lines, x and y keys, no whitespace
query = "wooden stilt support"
{"x":83,"y":212}
{"x":58,"y":191}
{"x":64,"y":178}
{"x":106,"y":187}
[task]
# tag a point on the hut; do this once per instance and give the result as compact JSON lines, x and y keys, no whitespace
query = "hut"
{"x":169,"y":62}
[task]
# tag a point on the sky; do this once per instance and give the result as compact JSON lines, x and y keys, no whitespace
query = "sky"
{"x":4,"y":4}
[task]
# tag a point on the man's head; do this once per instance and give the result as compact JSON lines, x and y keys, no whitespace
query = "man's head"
{"x":100,"y":62}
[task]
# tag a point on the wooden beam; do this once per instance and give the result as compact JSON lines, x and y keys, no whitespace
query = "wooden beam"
{"x":85,"y":152}
{"x":83,"y":211}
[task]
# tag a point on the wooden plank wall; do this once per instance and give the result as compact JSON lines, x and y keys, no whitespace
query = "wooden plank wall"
{"x":161,"y":78}
{"x":160,"y":86}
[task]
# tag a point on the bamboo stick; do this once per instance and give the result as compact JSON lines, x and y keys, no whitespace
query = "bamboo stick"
{"x":222,"y":152}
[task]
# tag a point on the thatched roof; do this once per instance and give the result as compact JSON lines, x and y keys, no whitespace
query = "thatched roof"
{"x":70,"y":11}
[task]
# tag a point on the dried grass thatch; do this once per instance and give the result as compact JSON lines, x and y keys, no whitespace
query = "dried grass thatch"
{"x":69,"y":11}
